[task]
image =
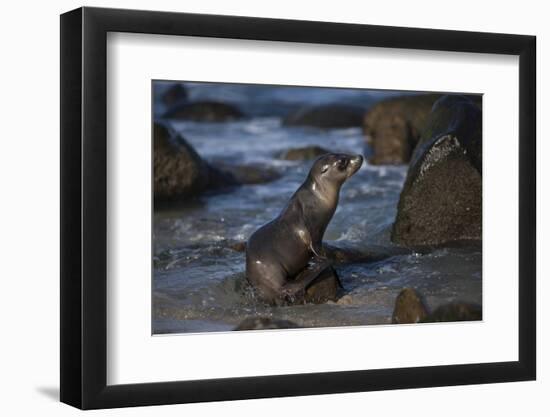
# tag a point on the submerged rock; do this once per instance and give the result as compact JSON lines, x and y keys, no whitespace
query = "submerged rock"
{"x":238,"y":246}
{"x":204,"y":111}
{"x":303,"y":154}
{"x":410,"y":307}
{"x":393,"y":127}
{"x":441,"y":199}
{"x":250,"y":173}
{"x":342,"y":253}
{"x":174,"y":94}
{"x":327,"y":116}
{"x":265,"y":323}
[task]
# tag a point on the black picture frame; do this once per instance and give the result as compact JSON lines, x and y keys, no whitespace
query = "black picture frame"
{"x":84,"y":207}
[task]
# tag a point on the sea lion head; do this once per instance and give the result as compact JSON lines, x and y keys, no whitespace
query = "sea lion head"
{"x":335,"y":168}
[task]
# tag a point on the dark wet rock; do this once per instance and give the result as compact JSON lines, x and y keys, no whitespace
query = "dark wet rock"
{"x":342,"y":254}
{"x":327,"y":116}
{"x":455,"y":312}
{"x":204,"y":111}
{"x":265,"y":323}
{"x":174,"y":94}
{"x":325,"y":287}
{"x":347,"y":254}
{"x":238,"y":246}
{"x":179,"y":171}
{"x":303,"y":154}
{"x":393,"y":127}
{"x":441,"y":199}
{"x":458,"y":116}
{"x":410,"y":307}
{"x":218,"y":178}
{"x":248,"y":174}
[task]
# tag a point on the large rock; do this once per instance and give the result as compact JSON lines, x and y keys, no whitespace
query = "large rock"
{"x":393,"y":127}
{"x":178,"y":170}
{"x":204,"y":111}
{"x":441,"y":199}
{"x":327,"y":116}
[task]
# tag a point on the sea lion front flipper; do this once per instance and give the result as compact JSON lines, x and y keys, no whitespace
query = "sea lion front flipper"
{"x":318,"y":251}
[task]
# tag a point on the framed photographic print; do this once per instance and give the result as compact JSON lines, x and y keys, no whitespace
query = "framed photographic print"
{"x":258,"y":208}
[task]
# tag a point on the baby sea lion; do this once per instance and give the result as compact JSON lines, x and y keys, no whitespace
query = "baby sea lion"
{"x":285,"y":256}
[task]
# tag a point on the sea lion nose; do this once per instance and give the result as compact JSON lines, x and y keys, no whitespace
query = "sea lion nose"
{"x":356,"y":160}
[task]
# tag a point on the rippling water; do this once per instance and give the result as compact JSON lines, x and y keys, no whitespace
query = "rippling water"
{"x":199,"y":282}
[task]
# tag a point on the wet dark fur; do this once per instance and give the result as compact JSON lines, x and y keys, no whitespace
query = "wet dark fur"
{"x":278,"y":253}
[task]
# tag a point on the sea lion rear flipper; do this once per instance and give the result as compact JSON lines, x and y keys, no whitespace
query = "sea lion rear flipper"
{"x":297,"y":287}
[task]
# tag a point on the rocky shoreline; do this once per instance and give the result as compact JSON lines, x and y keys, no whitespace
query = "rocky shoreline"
{"x":441,"y":199}
{"x":438,"y":136}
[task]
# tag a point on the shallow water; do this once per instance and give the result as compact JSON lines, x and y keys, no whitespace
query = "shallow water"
{"x":199,"y":283}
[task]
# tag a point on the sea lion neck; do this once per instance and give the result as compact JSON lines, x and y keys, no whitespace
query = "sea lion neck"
{"x":326,"y":192}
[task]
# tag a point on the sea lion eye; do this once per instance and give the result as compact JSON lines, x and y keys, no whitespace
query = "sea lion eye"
{"x":342,"y":164}
{"x":324,"y":168}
